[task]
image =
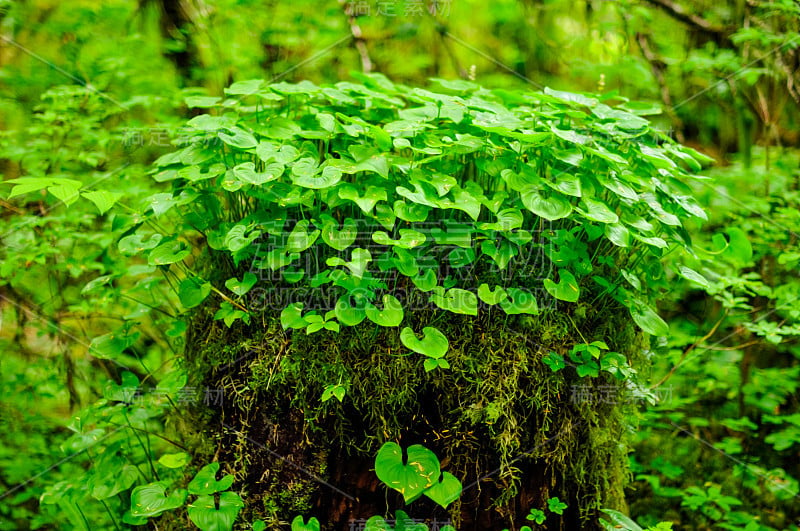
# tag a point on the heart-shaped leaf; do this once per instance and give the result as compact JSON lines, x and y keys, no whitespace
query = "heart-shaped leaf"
{"x":340,"y":239}
{"x":168,"y":252}
{"x":240,"y":287}
{"x":550,"y":208}
{"x":366,"y":201}
{"x":205,"y":482}
{"x":456,"y":300}
{"x":178,"y":460}
{"x":491,"y":297}
{"x":431,"y":363}
{"x":300,"y":238}
{"x":567,"y":288}
{"x":347,"y":314}
{"x":409,"y":474}
{"x":433,"y":344}
{"x":299,"y":525}
{"x":426,"y":281}
{"x":519,"y":301}
{"x":239,"y":138}
{"x":205,"y":514}
{"x":311,"y":177}
{"x":408,"y":238}
{"x":390,"y":315}
{"x":501,"y":254}
{"x":102,"y":199}
{"x":193,"y":291}
{"x":597,"y":211}
{"x":292,"y":316}
{"x":445,"y":491}
{"x":152,"y":499}
{"x":239,"y":237}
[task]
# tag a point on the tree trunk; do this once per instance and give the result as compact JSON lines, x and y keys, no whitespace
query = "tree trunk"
{"x":512,"y":430}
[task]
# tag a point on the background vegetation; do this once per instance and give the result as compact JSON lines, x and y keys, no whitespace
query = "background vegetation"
{"x":94,"y":92}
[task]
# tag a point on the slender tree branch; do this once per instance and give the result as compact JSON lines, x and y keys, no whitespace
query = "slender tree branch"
{"x":678,"y":12}
{"x":359,"y":41}
{"x":658,"y":67}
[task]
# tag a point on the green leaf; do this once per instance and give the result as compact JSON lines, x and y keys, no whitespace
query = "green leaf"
{"x":554,"y":361}
{"x":178,"y":460}
{"x":239,"y":138}
{"x":621,"y":521}
{"x":240,"y":287}
{"x":431,"y":363}
{"x":433,"y":344}
{"x":501,"y":255}
{"x":408,"y":238}
{"x":492,"y":297}
{"x":299,"y":525}
{"x":597,"y":211}
{"x":112,"y":345}
{"x":551,"y":208}
{"x":308,"y":175}
{"x":193,"y":291}
{"x":239,"y":237}
{"x":390,"y":315}
{"x":133,"y":244}
{"x":537,"y":515}
{"x":102,"y":199}
{"x":411,"y":476}
{"x":366,"y":202}
{"x":519,"y":301}
{"x":567,"y":288}
{"x":205,"y":482}
{"x":445,"y":491}
{"x":618,"y":234}
{"x":334,"y":391}
{"x":459,"y":234}
{"x":648,"y":320}
{"x":456,"y":300}
{"x":300,"y":239}
{"x":206,"y":516}
{"x":694,"y":276}
{"x":245,"y":88}
{"x":66,"y":192}
{"x":340,"y":239}
{"x":347,"y":314}
{"x":151,"y":499}
{"x":104,"y":485}
{"x":201,"y":101}
{"x":292,"y":316}
{"x":566,"y":183}
{"x":246,"y":173}
{"x":426,"y":281}
{"x":410,"y":212}
{"x":556,"y":506}
{"x":25,"y":185}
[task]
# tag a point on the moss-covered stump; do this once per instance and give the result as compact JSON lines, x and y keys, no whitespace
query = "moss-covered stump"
{"x":514,"y":431}
{"x":522,"y":230}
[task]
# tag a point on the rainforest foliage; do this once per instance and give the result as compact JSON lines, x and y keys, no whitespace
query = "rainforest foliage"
{"x":400,"y":265}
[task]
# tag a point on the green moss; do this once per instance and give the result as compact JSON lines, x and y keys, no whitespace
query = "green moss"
{"x":498,"y":409}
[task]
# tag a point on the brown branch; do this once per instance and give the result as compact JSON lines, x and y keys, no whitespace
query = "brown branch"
{"x":678,"y":12}
{"x":359,"y":41}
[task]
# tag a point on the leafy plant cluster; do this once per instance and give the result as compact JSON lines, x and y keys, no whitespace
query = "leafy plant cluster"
{"x":377,"y":199}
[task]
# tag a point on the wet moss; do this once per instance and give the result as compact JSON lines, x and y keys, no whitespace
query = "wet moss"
{"x":514,"y":431}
